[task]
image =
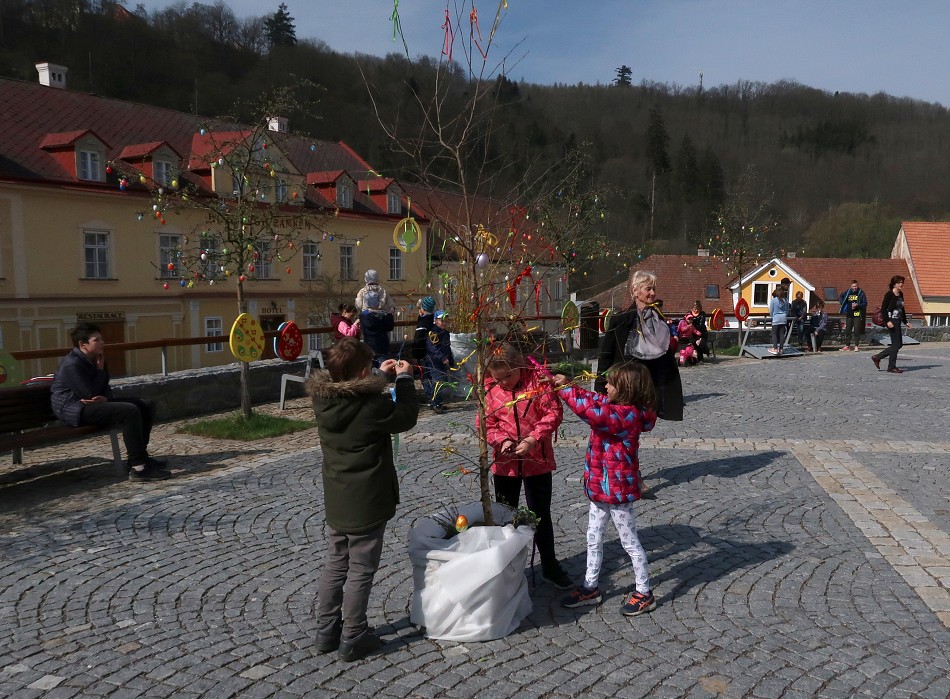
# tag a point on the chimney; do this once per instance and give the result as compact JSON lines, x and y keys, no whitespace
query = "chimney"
{"x":702,"y":252}
{"x":52,"y":75}
{"x":791,"y":255}
{"x":278,"y":124}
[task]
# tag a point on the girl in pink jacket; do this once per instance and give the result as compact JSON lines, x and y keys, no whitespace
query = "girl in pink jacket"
{"x":521,"y":416}
{"x":612,"y":474}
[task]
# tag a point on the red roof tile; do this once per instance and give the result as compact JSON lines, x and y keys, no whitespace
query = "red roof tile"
{"x":929,"y":253}
{"x":59,"y":140}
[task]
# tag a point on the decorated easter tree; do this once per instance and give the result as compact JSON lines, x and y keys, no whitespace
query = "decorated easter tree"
{"x":499,"y":240}
{"x":244,"y":204}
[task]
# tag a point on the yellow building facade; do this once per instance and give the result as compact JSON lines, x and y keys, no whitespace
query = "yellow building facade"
{"x":76,"y":246}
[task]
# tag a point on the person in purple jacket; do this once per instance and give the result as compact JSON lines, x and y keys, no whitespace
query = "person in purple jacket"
{"x":612,"y":474}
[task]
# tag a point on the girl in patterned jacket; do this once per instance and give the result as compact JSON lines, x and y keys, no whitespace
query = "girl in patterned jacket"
{"x":612,"y":474}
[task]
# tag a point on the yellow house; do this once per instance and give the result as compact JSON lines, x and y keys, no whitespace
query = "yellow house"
{"x":81,"y":237}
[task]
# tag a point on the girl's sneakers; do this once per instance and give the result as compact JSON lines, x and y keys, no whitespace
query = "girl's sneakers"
{"x":638,"y":603}
{"x":582,"y":597}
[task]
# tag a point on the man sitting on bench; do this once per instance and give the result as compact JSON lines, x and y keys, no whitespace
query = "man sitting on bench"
{"x":81,"y":396}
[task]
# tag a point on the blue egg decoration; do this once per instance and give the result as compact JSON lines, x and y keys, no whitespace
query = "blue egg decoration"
{"x":182,"y":282}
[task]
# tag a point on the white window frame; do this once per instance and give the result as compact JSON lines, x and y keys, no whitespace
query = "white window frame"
{"x":263,"y":265}
{"x":397,"y":269}
{"x":214,"y":327}
{"x":347,"y":262}
{"x":89,"y":165}
{"x":344,"y":197}
{"x":168,"y":245}
{"x":162,"y":172}
{"x":101,"y":247}
{"x":280,"y":191}
{"x":769,"y":288}
{"x":559,"y":286}
{"x":393,"y":202}
{"x":311,"y":260}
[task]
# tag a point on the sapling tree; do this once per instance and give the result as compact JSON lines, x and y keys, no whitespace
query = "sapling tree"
{"x":496,"y":247}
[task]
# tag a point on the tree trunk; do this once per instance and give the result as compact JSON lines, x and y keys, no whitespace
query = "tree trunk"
{"x":245,"y":385}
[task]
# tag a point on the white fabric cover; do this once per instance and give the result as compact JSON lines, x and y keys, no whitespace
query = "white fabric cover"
{"x":471,"y":587}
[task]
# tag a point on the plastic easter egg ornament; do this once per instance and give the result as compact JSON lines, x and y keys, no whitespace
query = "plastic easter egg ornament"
{"x":289,"y":341}
{"x":247,"y":339}
{"x":481,"y":260}
{"x":165,"y":286}
{"x":461,"y":523}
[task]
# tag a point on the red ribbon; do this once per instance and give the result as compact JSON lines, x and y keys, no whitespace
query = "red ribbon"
{"x":449,"y":36}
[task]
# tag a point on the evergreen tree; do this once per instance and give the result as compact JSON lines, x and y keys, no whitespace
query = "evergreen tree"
{"x":280,"y":28}
{"x":658,"y":143}
{"x":624,"y":76}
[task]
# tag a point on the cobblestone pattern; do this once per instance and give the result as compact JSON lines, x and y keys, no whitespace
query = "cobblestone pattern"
{"x":798,"y":548}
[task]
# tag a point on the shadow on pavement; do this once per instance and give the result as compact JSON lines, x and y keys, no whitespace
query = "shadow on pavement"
{"x":729,"y":467}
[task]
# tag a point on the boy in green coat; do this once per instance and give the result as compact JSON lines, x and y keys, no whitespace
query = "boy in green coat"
{"x":355,"y":418}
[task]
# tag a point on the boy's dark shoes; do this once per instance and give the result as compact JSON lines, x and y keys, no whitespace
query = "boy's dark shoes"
{"x":582,"y":597}
{"x":157,"y":463}
{"x":149,"y":473}
{"x":328,"y":641}
{"x":557,"y":577}
{"x":895,"y":370}
{"x":877,"y":363}
{"x":638,"y":603}
{"x":363,"y":645}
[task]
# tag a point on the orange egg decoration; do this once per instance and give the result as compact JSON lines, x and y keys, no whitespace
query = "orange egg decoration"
{"x":461,"y":523}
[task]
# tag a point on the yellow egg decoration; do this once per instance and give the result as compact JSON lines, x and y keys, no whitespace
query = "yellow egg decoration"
{"x":247,"y":339}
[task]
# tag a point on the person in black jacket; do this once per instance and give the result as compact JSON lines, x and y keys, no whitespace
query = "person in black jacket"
{"x":634,"y":335}
{"x":81,"y":396}
{"x":893,"y":308}
{"x":376,"y":325}
{"x":356,"y":417}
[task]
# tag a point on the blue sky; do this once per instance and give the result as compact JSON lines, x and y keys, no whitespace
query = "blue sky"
{"x":860,"y":46}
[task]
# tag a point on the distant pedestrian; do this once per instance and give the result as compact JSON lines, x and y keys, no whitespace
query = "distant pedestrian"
{"x":347,"y":322}
{"x":893,"y":308}
{"x":439,"y":361}
{"x":612,"y":475}
{"x":376,"y":325}
{"x":800,"y":314}
{"x":818,"y":325}
{"x":854,"y":306}
{"x":779,"y":308}
{"x":386,"y":303}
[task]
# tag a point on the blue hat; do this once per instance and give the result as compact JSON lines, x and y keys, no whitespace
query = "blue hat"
{"x":427,"y":304}
{"x":439,"y":315}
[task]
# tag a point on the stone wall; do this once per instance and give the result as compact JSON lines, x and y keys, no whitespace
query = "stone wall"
{"x":202,"y":391}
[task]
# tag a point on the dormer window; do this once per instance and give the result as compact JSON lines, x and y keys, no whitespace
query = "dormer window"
{"x":162,"y":172}
{"x":344,"y":198}
{"x":393,"y":202}
{"x":89,"y":165}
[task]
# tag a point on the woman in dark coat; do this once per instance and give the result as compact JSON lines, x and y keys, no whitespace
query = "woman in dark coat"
{"x":893,"y":309}
{"x":640,"y":333}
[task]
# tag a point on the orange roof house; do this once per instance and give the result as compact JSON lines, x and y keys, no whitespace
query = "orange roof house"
{"x":926,"y":248}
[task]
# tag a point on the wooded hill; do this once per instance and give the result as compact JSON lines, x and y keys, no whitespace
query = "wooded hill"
{"x":837,"y":171}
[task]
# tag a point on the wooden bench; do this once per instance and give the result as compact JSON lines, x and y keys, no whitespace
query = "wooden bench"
{"x":27,"y":422}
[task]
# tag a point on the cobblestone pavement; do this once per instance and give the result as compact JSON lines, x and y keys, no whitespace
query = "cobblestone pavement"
{"x":799,"y":546}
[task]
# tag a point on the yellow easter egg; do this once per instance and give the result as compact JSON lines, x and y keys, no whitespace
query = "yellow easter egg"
{"x":247,"y":339}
